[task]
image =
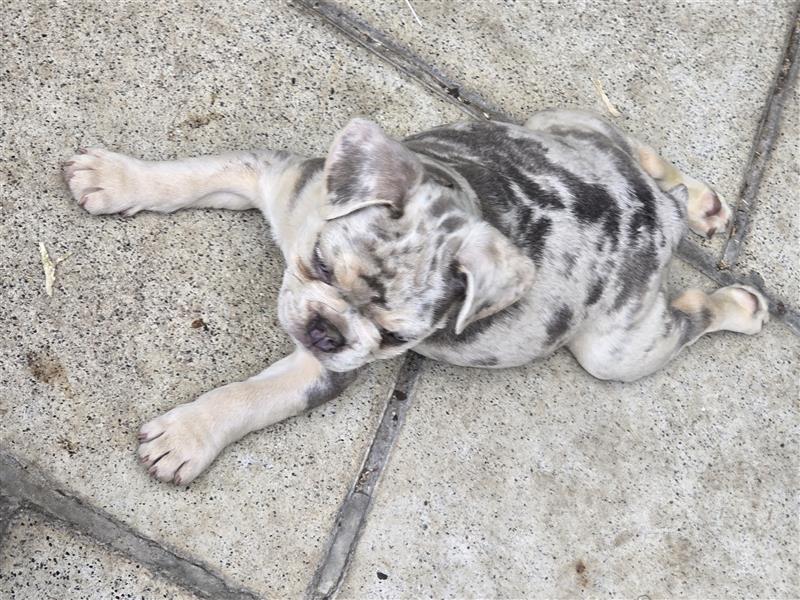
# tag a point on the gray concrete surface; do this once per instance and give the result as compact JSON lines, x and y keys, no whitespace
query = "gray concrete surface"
{"x":773,"y":244}
{"x":46,"y":561}
{"x":544,"y":482}
{"x":537,"y":481}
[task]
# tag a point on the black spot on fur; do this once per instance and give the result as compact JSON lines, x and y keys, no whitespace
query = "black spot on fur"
{"x":328,"y":387}
{"x":591,"y":204}
{"x":595,"y":292}
{"x":535,"y":238}
{"x":634,"y":274}
{"x":378,"y":289}
{"x":558,"y":325}
{"x":440,"y":206}
{"x":531,"y":190}
{"x":452,"y":223}
{"x":453,"y":292}
{"x":447,"y":336}
{"x":594,"y":204}
{"x":308,"y":169}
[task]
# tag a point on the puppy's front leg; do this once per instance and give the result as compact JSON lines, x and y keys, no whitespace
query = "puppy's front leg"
{"x":180,"y":444}
{"x":105,"y":182}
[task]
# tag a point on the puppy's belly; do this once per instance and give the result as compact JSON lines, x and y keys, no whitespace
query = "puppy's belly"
{"x":470,"y":356}
{"x":510,"y":338}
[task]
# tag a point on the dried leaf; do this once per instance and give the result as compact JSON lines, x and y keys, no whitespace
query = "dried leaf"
{"x":612,"y":110}
{"x":50,"y":268}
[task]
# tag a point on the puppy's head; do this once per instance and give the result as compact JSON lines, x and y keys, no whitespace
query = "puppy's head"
{"x":392,"y":257}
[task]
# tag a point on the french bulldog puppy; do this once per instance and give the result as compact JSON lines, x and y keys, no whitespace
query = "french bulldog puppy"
{"x":482,"y":244}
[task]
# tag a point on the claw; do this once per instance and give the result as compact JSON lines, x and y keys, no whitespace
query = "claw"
{"x":176,"y":479}
{"x":143,"y":437}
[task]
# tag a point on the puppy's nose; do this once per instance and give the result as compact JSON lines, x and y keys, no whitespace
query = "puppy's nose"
{"x":323,"y":335}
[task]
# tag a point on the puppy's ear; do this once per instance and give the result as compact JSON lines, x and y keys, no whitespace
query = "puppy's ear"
{"x":497,"y":274}
{"x":366,"y":167}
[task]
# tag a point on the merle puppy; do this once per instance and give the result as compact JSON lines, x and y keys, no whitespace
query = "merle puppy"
{"x":481,"y":244}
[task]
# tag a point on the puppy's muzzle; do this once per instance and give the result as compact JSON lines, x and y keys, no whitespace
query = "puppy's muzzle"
{"x":323,"y":335}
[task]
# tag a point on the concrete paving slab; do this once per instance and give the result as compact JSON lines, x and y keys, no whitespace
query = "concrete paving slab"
{"x":542,"y":482}
{"x":773,"y":245}
{"x":120,"y":342}
{"x":688,"y":78}
{"x":41,"y":560}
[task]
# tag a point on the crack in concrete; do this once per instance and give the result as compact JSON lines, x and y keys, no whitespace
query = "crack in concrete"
{"x":23,"y":486}
{"x":403,"y":59}
{"x":9,"y":506}
{"x":353,"y":511}
{"x":763,"y":144}
{"x":474,"y":105}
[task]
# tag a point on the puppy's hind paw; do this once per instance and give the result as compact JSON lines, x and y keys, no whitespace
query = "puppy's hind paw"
{"x":709,"y":213}
{"x":740,"y":308}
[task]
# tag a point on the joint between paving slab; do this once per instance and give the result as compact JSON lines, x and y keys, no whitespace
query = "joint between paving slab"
{"x":9,"y":507}
{"x":26,"y":488}
{"x":353,"y":511}
{"x":764,"y":142}
{"x":474,"y":104}
{"x":403,"y":59}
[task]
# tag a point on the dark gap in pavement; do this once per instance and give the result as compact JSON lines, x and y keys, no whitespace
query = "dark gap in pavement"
{"x":474,"y":105}
{"x":403,"y":59}
{"x":764,"y":142}
{"x":9,"y":507}
{"x":352,"y":513}
{"x":22,"y":486}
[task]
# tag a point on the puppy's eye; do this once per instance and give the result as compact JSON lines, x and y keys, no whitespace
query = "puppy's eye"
{"x":321,"y":270}
{"x":390,"y":338}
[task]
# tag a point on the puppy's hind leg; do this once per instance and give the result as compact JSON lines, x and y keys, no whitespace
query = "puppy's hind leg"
{"x":105,"y":182}
{"x":707,"y":211}
{"x":626,"y":354}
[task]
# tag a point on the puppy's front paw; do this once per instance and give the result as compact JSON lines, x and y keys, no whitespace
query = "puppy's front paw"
{"x":708,"y":211}
{"x":740,"y":308}
{"x":104,"y":182}
{"x":180,"y":444}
